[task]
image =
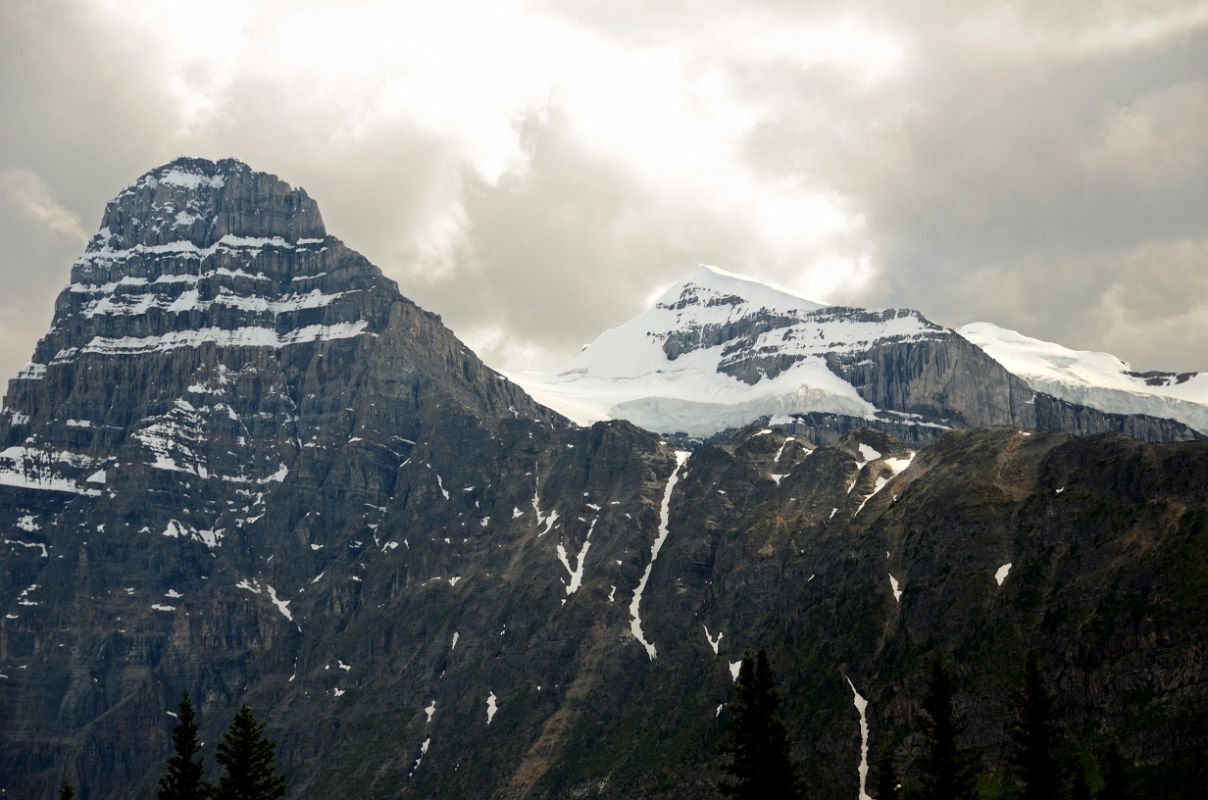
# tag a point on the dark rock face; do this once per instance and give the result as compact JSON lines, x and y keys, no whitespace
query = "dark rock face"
{"x":430,"y":586}
{"x":950,"y":382}
{"x":944,"y":379}
{"x":1054,"y":414}
{"x":1158,"y":378}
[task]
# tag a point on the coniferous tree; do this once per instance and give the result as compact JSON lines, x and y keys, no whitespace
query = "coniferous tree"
{"x":1035,"y":740}
{"x":758,"y":756}
{"x":885,"y":785}
{"x":184,"y":781}
{"x":246,"y":755}
{"x":946,"y":771}
{"x":1115,"y":773}
{"x":1079,"y":788}
{"x":66,"y":789}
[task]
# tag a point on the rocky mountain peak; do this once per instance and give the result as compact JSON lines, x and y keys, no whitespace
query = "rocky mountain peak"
{"x":212,"y":296}
{"x":199,"y":202}
{"x":198,"y":253}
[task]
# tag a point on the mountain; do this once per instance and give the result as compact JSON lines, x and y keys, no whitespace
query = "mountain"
{"x":219,"y":373}
{"x":242,"y":464}
{"x":718,"y":351}
{"x":213,"y":330}
{"x":1095,"y":380}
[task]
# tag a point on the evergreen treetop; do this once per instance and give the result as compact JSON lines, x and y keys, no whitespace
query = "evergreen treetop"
{"x":246,"y":756}
{"x":1115,"y":769}
{"x":886,"y":785}
{"x":184,"y":779}
{"x":946,"y":771}
{"x":1035,"y":740}
{"x":758,"y":763}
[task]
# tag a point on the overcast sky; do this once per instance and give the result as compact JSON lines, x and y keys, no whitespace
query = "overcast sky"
{"x":534,"y":172}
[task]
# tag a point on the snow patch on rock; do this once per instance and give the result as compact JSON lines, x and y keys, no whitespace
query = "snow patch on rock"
{"x":635,"y":618}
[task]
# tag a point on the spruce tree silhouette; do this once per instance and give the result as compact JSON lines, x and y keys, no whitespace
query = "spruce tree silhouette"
{"x":1079,"y":788}
{"x":247,"y":757}
{"x":758,"y":763}
{"x":886,"y":785}
{"x":1115,"y":769}
{"x":946,"y":772}
{"x":66,"y":789}
{"x":1035,"y":740}
{"x":184,"y":781}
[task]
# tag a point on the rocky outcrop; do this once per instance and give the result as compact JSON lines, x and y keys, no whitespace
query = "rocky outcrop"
{"x":944,"y":380}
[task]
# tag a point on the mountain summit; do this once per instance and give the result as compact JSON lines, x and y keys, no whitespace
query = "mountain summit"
{"x":213,"y":304}
{"x":718,"y":351}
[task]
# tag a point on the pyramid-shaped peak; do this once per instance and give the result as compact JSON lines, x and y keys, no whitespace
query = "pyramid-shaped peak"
{"x":711,"y":286}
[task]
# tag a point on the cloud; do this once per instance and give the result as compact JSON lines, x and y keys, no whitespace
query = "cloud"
{"x":1020,"y":183}
{"x":533,"y":171}
{"x":26,"y":193}
{"x":1159,"y":314}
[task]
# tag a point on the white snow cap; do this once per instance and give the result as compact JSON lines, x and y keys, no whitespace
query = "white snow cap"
{"x":755,"y":292}
{"x":626,"y":373}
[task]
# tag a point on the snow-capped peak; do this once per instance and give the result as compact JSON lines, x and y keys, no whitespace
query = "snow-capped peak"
{"x":718,"y":350}
{"x":716,"y":284}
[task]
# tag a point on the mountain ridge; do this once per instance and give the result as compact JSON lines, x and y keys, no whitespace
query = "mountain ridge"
{"x":718,"y":351}
{"x":1096,"y":379}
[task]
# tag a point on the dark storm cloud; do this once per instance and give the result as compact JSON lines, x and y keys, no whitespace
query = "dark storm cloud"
{"x":534,"y":173}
